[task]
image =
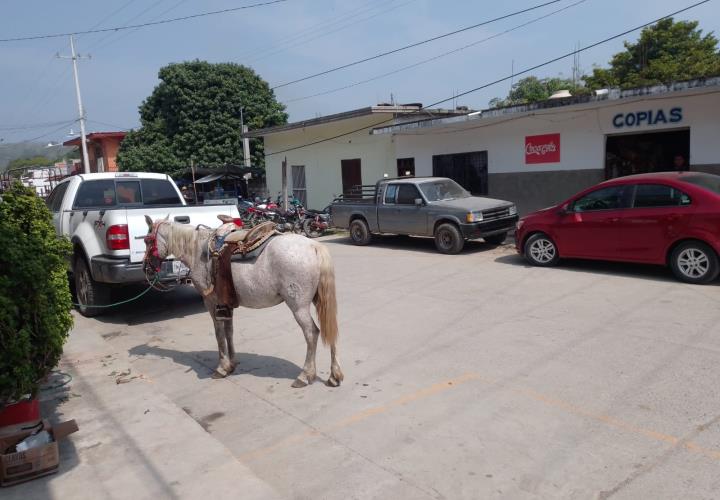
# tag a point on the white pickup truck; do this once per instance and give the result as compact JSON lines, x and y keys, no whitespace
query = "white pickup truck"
{"x":103,"y":215}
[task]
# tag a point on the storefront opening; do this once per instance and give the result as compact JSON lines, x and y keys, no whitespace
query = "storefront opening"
{"x":470,"y":170}
{"x":629,"y":154}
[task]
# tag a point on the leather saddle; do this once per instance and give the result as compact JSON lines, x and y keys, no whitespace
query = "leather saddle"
{"x":230,"y":243}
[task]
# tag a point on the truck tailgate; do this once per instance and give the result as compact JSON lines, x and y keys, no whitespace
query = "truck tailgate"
{"x":191,"y":215}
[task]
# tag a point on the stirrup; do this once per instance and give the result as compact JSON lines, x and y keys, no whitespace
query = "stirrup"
{"x":223,"y":313}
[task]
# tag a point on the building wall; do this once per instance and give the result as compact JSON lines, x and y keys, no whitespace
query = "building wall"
{"x":322,"y":161}
{"x":582,"y":145}
{"x":110,"y":150}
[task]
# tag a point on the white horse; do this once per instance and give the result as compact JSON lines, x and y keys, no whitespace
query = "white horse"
{"x":291,"y":269}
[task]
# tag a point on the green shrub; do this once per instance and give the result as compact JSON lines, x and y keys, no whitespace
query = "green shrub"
{"x":35,"y":297}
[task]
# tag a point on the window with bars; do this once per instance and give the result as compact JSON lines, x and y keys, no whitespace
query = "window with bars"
{"x":299,"y":188}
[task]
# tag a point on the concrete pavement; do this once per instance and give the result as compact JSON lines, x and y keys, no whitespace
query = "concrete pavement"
{"x":468,"y":376}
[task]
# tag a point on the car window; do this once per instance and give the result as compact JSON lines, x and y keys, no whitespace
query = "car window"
{"x":100,"y":193}
{"x":407,"y":194}
{"x":706,"y":181}
{"x":55,"y":199}
{"x":390,"y":191}
{"x":159,"y":192}
{"x":658,"y":195}
{"x":608,"y":198}
{"x":128,"y":192}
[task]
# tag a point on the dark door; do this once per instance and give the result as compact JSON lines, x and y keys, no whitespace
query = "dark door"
{"x":467,"y":169}
{"x":405,"y":167}
{"x":351,"y":175}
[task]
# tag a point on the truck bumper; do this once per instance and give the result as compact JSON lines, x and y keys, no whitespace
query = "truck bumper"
{"x":122,"y":271}
{"x":488,"y":228}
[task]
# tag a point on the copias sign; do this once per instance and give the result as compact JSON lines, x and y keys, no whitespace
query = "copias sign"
{"x":649,"y":117}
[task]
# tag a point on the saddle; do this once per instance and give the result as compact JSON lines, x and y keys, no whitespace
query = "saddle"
{"x":227,"y":244}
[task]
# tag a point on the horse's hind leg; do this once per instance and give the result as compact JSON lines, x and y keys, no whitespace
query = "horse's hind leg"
{"x":311,"y":332}
{"x":336,"y":374}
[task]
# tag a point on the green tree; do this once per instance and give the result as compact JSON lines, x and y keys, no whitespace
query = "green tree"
{"x":534,"y":89}
{"x":194,"y":113}
{"x":34,"y":294}
{"x":665,"y":52}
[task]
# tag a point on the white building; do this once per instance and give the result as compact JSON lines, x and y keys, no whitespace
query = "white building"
{"x":535,"y":155}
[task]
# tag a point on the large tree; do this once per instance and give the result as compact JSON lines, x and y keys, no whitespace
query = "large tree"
{"x":534,"y":89}
{"x":667,"y":51}
{"x":194,"y":114}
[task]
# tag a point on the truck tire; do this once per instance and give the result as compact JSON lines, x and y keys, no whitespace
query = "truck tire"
{"x":496,"y":239}
{"x":360,"y":232}
{"x":88,"y":291}
{"x":448,"y":239}
{"x":694,"y":262}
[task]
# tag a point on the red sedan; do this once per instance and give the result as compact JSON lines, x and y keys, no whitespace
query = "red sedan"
{"x":669,"y":218}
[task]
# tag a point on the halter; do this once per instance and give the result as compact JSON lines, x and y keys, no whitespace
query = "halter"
{"x":152,"y":260}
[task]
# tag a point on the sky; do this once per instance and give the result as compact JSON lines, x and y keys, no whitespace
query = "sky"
{"x":293,"y":39}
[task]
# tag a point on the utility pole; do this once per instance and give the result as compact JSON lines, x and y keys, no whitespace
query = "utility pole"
{"x":81,"y":110}
{"x":284,"y":186}
{"x":245,"y":140}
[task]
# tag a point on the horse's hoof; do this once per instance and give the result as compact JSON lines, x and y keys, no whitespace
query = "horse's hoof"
{"x":218,"y":374}
{"x":333,"y":382}
{"x":299,"y":383}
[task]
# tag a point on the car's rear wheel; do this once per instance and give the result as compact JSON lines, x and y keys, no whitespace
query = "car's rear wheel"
{"x":540,"y":250}
{"x":360,"y":232}
{"x":496,"y":239}
{"x":88,"y":291}
{"x":448,"y":239}
{"x":694,"y":262}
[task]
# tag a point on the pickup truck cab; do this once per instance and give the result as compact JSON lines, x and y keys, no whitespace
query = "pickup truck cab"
{"x":424,"y":206}
{"x":103,"y":216}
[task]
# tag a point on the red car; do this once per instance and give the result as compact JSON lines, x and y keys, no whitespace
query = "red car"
{"x":669,"y":218}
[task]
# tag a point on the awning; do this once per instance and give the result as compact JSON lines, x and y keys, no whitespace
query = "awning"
{"x":215,"y":177}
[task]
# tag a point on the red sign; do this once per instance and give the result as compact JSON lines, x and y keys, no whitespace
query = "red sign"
{"x":542,"y":148}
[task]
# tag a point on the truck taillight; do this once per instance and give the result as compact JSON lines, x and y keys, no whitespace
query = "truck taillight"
{"x":117,"y":237}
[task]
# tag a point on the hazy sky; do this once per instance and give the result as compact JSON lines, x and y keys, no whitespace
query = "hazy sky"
{"x":290,"y":40}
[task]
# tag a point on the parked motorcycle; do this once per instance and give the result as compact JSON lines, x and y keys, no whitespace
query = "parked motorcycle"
{"x":316,"y":222}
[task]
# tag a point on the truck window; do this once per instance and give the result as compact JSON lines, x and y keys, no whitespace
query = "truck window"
{"x":100,"y":193}
{"x":128,"y":192}
{"x":407,"y":194}
{"x":54,"y":201}
{"x":159,"y":192}
{"x":390,"y":191}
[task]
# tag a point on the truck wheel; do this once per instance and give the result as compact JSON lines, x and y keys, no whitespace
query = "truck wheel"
{"x":360,"y":232}
{"x":496,"y":239}
{"x":448,"y":239}
{"x":694,"y":262}
{"x":540,"y":250}
{"x":88,"y":291}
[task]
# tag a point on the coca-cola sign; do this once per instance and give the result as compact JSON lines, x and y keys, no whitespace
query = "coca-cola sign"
{"x":542,"y":148}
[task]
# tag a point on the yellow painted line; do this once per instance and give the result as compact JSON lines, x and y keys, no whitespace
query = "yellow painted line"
{"x":440,"y":387}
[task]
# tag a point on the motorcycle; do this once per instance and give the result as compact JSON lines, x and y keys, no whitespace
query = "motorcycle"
{"x":316,"y":222}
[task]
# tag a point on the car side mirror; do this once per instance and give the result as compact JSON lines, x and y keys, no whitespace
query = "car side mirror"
{"x":564,"y":210}
{"x":418,"y":202}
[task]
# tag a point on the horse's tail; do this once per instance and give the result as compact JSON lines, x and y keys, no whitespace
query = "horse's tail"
{"x":325,"y":300}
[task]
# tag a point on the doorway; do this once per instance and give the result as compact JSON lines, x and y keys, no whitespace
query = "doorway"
{"x":406,"y":167}
{"x":351,"y":175}
{"x":470,"y":170}
{"x":628,"y":154}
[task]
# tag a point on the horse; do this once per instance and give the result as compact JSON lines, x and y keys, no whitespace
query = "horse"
{"x":291,"y":269}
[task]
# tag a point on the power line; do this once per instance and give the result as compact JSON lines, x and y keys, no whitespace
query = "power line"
{"x":416,"y":44}
{"x":143,"y":25}
{"x":500,"y":80}
{"x":439,"y":56}
{"x":54,"y":131}
{"x":34,"y":126}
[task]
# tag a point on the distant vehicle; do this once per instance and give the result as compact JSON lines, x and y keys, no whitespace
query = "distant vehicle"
{"x":670,"y":218}
{"x":424,"y":206}
{"x":103,"y":215}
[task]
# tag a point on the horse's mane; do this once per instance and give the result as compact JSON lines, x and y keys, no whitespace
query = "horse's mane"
{"x":185,"y":241}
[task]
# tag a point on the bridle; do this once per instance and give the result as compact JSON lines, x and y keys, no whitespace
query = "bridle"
{"x":152,"y":260}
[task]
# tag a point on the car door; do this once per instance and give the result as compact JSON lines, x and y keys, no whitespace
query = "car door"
{"x":653,"y":222}
{"x":588,"y":229}
{"x":399,"y":214}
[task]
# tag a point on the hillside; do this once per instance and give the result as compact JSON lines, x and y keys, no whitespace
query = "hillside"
{"x":10,"y":152}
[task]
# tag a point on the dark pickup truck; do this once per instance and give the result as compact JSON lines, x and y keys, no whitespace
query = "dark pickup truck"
{"x":423,"y":206}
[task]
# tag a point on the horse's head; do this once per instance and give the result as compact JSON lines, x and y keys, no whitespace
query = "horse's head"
{"x":156,"y":244}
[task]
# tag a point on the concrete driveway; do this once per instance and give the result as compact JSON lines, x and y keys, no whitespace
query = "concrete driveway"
{"x":468,"y":376}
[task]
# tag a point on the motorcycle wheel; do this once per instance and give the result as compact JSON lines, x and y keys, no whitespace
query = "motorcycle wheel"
{"x":310,"y":229}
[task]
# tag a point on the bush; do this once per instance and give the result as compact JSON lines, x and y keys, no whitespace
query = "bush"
{"x":35,"y":297}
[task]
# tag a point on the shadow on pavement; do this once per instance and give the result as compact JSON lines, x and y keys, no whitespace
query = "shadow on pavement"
{"x":630,"y":270}
{"x":203,"y":363}
{"x":413,"y":243}
{"x":154,"y":306}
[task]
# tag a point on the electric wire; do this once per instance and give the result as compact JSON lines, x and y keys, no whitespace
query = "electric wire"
{"x":416,"y":44}
{"x":499,"y":80}
{"x":143,"y":25}
{"x":435,"y":58}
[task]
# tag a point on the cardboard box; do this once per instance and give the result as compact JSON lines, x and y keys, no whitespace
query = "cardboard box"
{"x":35,"y":462}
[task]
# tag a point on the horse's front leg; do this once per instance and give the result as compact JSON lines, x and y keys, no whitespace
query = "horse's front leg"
{"x":224,"y":337}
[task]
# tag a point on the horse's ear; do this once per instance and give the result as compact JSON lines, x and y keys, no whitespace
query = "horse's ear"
{"x":167,"y":217}
{"x":225,"y":218}
{"x":149,"y":222}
